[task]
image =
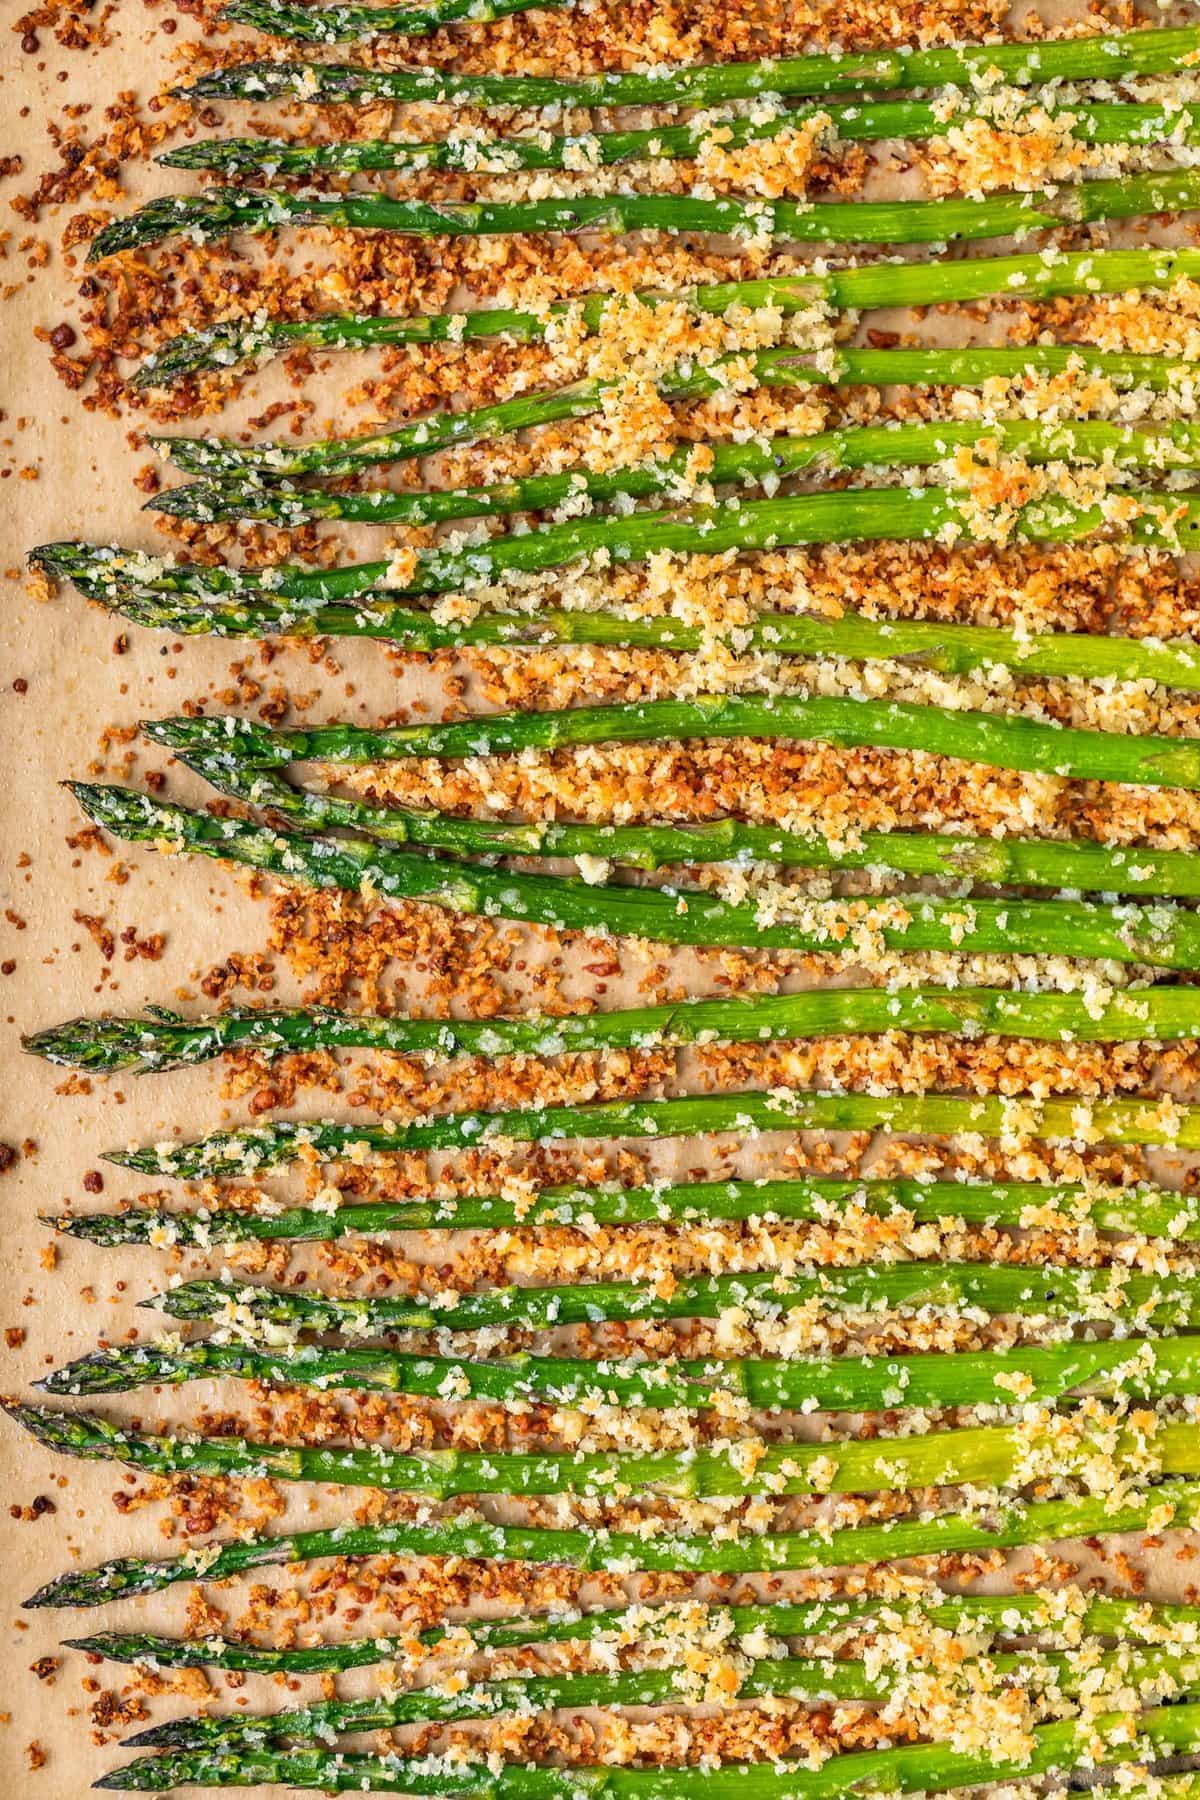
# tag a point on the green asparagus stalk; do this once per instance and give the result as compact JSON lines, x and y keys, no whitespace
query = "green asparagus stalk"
{"x":1142,"y":1211}
{"x":233,"y":341}
{"x":1156,"y":1673}
{"x":990,"y":1456}
{"x":222,"y":212}
{"x":838,"y":1618}
{"x":1175,"y":444}
{"x":1127,"y":1367}
{"x":1001,"y":740}
{"x":1145,"y":1122}
{"x":1166,"y":521}
{"x":1156,"y":936}
{"x":1001,"y":1290}
{"x":333,"y":24}
{"x":162,"y":1042}
{"x":1067,"y":1745}
{"x":1088,"y":122}
{"x":950,"y":648}
{"x":1018,"y":862}
{"x":781,"y":366}
{"x":1105,"y":57}
{"x":1006,"y":1525}
{"x":1060,"y":1618}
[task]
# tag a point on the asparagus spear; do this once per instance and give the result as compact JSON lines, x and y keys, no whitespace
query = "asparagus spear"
{"x":1157,"y":936}
{"x":778,"y":367}
{"x":1135,"y":1367}
{"x":1006,"y":1289}
{"x":1088,"y":122}
{"x":1105,"y":57}
{"x":1067,"y":1745}
{"x":1149,"y":1122}
{"x":985,"y":1455}
{"x":1157,"y":1673}
{"x":333,"y":24}
{"x":1018,"y":862}
{"x":838,"y":1618}
{"x":1001,"y":740}
{"x":1166,"y":521}
{"x":232,"y":341}
{"x":1174,"y":1504}
{"x":1061,"y":1618}
{"x":1173,"y":444}
{"x":947,"y":647}
{"x":162,"y":1042}
{"x":1140,"y":1210}
{"x":221,"y":212}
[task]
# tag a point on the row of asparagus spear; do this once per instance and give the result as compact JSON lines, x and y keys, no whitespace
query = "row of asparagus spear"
{"x":849,"y":288}
{"x":1156,"y":935}
{"x":978,"y":1526}
{"x":195,"y":598}
{"x":993,"y":1457}
{"x":242,"y":1753}
{"x":1068,"y":1746}
{"x":222,"y":212}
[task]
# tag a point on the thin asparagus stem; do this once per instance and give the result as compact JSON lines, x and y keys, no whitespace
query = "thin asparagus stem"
{"x":1157,"y":936}
{"x":1166,"y":521}
{"x":1146,"y":1122}
{"x":233,"y":341}
{"x":1018,"y":862}
{"x":776,"y":367}
{"x":1175,"y":444}
{"x":986,"y":1455}
{"x":1157,"y":1674}
{"x":1003,"y":1290}
{"x":946,"y":647}
{"x":222,"y":212}
{"x":334,"y":24}
{"x":1088,"y":122}
{"x":1105,"y":57}
{"x":1143,"y":1211}
{"x":1000,"y":740}
{"x":1006,"y":1525}
{"x":1129,"y":1367}
{"x":1031,"y":1614}
{"x":839,"y":1618}
{"x":1111,"y":1738}
{"x":160,"y":1042}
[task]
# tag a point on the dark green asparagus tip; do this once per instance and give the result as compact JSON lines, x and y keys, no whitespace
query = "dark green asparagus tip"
{"x":96,"y":1044}
{"x":50,"y":1428}
{"x":258,"y":80}
{"x":100,"y":1643}
{"x":212,"y":214}
{"x":92,"y":1587}
{"x":56,"y":560}
{"x":135,"y":1777}
{"x":123,"y":811}
{"x":240,"y":738}
{"x":100,"y":1372}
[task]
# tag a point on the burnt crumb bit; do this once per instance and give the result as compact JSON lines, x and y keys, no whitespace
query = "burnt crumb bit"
{"x":46,"y":1667}
{"x":39,"y":1506}
{"x":117,"y":1709}
{"x":93,"y":1182}
{"x":9,"y":1156}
